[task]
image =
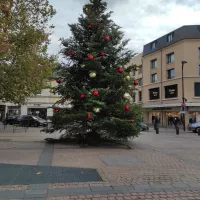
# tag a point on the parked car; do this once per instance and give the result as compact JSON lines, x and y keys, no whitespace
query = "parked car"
{"x":194,"y":127}
{"x":29,"y":120}
{"x":10,"y":120}
{"x":144,"y":127}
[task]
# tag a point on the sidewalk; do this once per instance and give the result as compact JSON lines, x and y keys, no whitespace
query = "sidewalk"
{"x":163,"y":166}
{"x":26,"y":135}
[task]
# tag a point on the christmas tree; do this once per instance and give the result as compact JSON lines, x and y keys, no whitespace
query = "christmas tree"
{"x":95,"y":80}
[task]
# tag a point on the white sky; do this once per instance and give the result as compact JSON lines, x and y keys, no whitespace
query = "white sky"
{"x":142,"y":20}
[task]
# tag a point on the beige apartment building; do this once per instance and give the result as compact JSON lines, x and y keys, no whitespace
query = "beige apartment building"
{"x":162,"y":75}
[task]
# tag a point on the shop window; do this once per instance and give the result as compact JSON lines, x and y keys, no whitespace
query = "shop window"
{"x":197,"y":89}
{"x":154,"y":93}
{"x":171,"y":91}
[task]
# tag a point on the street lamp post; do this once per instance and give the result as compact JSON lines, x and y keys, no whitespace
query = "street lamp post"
{"x":183,"y":96}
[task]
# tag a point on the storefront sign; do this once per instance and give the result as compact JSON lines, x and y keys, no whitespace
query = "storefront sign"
{"x":171,"y":91}
{"x":154,"y":93}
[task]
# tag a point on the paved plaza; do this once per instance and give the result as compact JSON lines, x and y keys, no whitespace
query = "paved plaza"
{"x":161,"y":167}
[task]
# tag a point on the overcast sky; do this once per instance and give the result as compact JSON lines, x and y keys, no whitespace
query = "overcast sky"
{"x":141,"y":20}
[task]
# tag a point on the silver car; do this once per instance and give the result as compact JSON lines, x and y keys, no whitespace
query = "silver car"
{"x":194,"y":127}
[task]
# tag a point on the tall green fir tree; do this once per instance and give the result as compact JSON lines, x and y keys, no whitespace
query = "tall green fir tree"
{"x":95,"y":81}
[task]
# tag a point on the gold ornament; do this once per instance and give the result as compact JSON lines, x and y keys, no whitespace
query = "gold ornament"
{"x":136,"y":69}
{"x":128,"y":78}
{"x":97,"y":110}
{"x":126,"y":96}
{"x":93,"y":75}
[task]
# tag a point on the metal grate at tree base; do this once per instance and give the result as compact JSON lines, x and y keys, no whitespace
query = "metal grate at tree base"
{"x":29,"y":174}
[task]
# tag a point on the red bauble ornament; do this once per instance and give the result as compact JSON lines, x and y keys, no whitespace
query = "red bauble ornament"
{"x":58,"y":81}
{"x":89,"y":116}
{"x":96,"y":93}
{"x":90,"y":57}
{"x":102,"y":54}
{"x":132,"y":121}
{"x":56,"y":110}
{"x":136,"y":83}
{"x":107,"y":38}
{"x":90,"y":26}
{"x":82,"y":96}
{"x":72,"y":53}
{"x":127,"y":108}
{"x":120,"y":70}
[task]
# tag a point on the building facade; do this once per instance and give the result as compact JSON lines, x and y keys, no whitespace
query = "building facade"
{"x":137,"y":60}
{"x":39,"y":105}
{"x":162,"y":76}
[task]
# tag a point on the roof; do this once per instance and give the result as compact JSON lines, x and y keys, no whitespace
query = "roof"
{"x":184,"y":32}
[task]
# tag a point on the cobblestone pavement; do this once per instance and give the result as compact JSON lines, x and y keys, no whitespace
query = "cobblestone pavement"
{"x":164,"y":166}
{"x":189,"y":195}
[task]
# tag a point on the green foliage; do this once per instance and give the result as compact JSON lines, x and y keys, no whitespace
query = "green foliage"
{"x":24,"y":34}
{"x":111,"y":120}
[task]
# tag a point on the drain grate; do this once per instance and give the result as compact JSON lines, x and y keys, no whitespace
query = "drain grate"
{"x":28,"y":174}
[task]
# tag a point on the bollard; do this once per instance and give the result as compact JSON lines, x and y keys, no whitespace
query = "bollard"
{"x":177,"y":130}
{"x":157,"y":130}
{"x":198,"y":131}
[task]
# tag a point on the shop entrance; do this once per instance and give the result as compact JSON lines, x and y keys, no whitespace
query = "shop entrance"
{"x":170,"y":118}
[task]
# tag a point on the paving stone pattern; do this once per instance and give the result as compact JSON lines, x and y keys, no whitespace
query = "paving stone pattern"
{"x":120,"y":160}
{"x":24,"y":175}
{"x":47,"y":155}
{"x":164,"y":167}
{"x":161,"y":192}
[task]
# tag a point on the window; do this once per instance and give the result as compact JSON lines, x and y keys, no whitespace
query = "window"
{"x":154,"y":78}
{"x":140,"y":70}
{"x":171,"y":91}
{"x":197,"y":89}
{"x":170,"y":58}
{"x":169,"y":37}
{"x":153,"y":45}
{"x":199,"y":51}
{"x":170,"y":73}
{"x":154,"y":63}
{"x":140,"y":82}
{"x":199,"y":70}
{"x":134,"y":98}
{"x":140,"y":96}
{"x":154,"y":93}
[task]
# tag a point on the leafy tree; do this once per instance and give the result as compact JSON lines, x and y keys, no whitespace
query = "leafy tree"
{"x":24,"y":38}
{"x":95,"y":80}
